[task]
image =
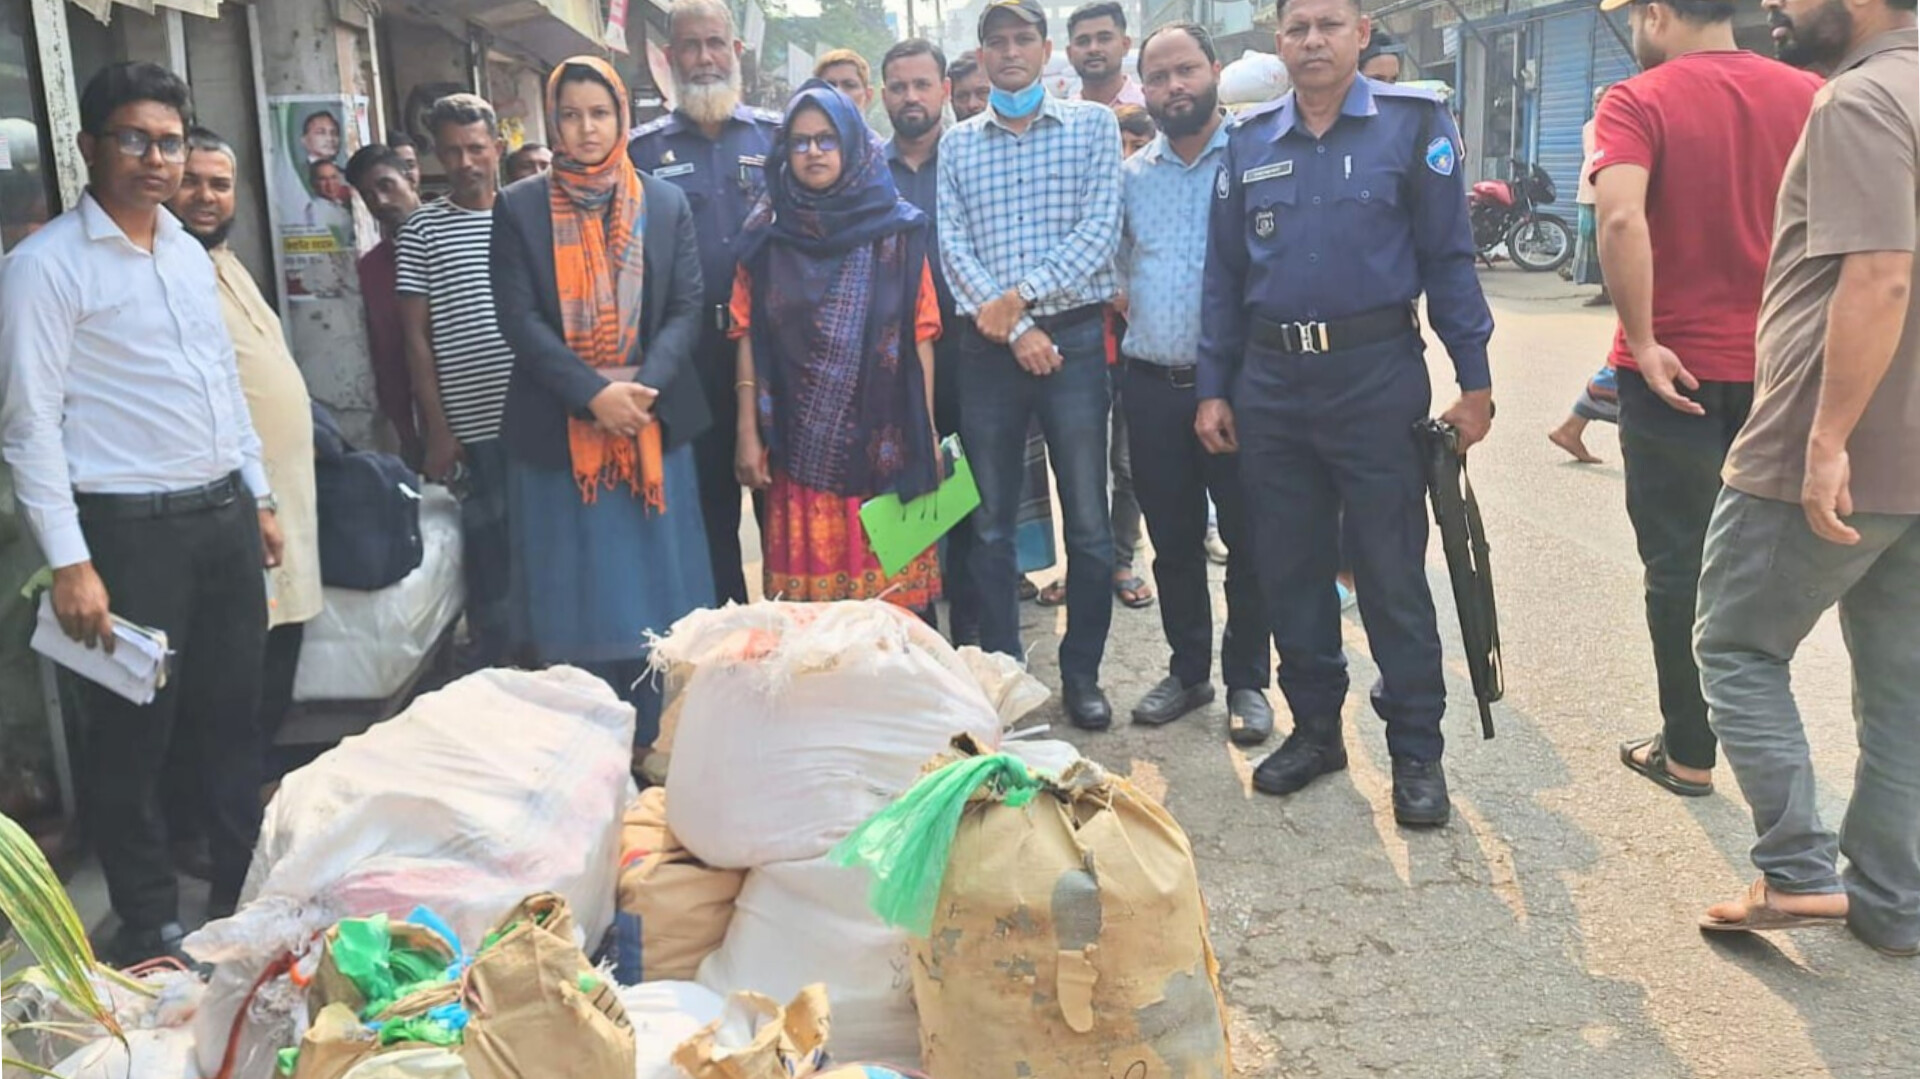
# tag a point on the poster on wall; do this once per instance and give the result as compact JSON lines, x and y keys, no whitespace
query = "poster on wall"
{"x":312,"y":136}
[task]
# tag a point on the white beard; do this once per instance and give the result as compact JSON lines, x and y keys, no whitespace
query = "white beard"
{"x":711,"y":103}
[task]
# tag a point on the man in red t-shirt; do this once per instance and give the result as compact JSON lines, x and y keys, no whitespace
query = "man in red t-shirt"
{"x":1687,"y":161}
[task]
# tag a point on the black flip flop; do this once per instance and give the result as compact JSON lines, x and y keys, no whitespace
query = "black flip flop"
{"x":1127,"y":590}
{"x":1655,"y":767}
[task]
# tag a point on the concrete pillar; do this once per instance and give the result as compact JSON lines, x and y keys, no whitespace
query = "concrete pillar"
{"x":303,"y":49}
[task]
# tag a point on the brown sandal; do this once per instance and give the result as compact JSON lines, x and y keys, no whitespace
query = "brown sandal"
{"x":1762,"y":916}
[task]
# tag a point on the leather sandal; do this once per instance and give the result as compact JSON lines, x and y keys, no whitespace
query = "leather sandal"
{"x":1655,"y":767}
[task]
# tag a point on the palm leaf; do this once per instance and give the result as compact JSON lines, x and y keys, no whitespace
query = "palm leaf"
{"x":34,"y":903}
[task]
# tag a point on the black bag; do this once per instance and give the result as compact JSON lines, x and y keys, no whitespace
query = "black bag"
{"x":369,"y":508}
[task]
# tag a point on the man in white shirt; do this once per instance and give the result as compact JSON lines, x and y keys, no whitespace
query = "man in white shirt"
{"x":139,"y":472}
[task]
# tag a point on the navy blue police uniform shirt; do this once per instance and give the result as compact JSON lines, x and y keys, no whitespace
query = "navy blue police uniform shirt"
{"x":1310,"y":230}
{"x":722,"y":178}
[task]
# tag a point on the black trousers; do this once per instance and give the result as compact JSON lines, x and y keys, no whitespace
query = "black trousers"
{"x":956,"y":576}
{"x":1172,"y":477}
{"x":487,"y":552}
{"x":198,"y":577}
{"x":1672,"y":462}
{"x":713,"y":463}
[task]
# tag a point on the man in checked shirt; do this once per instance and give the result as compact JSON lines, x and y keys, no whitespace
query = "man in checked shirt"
{"x":1029,"y":199}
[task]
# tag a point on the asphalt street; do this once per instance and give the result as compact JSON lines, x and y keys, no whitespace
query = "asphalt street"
{"x":1551,"y":929}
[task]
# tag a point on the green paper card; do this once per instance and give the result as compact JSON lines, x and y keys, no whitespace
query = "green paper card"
{"x":899,"y":532}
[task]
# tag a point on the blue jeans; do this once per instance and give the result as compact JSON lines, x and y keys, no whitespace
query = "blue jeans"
{"x":997,"y":400}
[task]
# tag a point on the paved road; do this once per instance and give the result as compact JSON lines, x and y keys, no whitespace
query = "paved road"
{"x":1550,"y":931}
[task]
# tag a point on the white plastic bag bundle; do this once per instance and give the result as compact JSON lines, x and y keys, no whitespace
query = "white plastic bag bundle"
{"x":1254,"y":79}
{"x":663,"y":1015}
{"x":801,"y":923}
{"x":800,"y":721}
{"x":502,"y":785}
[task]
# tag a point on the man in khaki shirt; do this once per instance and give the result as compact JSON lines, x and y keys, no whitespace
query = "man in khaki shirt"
{"x":281,"y":409}
{"x":1822,"y":498}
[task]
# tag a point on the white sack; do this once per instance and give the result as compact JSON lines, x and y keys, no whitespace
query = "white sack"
{"x":502,"y":785}
{"x":664,"y":1014}
{"x":802,"y":720}
{"x":165,"y":1053}
{"x":363,"y":646}
{"x":801,"y":923}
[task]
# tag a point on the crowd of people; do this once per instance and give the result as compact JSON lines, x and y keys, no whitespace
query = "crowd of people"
{"x":1198,"y":326}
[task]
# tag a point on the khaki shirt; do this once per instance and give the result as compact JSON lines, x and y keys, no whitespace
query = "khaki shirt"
{"x":1852,"y":186}
{"x":283,"y":415}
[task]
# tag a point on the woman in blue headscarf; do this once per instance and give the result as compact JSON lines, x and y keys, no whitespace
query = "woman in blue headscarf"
{"x":835,"y":312}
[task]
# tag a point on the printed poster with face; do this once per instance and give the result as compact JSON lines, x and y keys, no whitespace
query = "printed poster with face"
{"x":313,"y":207}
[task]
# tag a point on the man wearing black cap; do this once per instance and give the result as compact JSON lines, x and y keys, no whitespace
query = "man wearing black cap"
{"x":1381,"y":59}
{"x":1029,"y":221}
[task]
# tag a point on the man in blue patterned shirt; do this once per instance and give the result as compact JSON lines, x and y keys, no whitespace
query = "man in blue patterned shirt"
{"x":1166,"y":192}
{"x":1029,"y":201}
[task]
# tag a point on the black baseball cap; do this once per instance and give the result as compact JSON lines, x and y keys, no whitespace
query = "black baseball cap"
{"x":1029,"y":10}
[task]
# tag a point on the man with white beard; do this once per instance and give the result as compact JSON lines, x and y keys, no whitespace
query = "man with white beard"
{"x":715,"y":149}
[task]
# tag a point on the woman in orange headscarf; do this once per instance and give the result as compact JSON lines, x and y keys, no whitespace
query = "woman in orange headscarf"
{"x":595,"y":277}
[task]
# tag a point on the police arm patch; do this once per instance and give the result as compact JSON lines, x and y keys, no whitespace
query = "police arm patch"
{"x":1222,"y":183}
{"x":1441,"y":158}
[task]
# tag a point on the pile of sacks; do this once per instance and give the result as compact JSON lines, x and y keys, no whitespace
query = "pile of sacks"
{"x":503,"y":785}
{"x":787,"y":726}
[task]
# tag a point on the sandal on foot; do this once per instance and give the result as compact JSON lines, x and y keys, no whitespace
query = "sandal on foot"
{"x":1759,"y":915}
{"x":1028,"y":590}
{"x":1054,"y":595}
{"x":1655,"y":767}
{"x":1133,"y":592}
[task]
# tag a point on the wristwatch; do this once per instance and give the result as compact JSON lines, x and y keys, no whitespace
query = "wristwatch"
{"x":268,"y":504}
{"x":1026,"y":292}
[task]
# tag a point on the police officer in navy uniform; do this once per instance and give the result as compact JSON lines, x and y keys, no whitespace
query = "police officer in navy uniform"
{"x":1336,"y":207}
{"x":715,"y":149}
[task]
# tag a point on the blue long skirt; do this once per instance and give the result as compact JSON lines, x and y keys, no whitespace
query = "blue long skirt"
{"x":591,"y":580}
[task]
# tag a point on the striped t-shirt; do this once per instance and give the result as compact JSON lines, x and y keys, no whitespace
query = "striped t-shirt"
{"x":443,"y":254}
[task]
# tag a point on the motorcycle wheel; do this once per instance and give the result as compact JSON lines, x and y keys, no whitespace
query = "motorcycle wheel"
{"x":1540,"y":244}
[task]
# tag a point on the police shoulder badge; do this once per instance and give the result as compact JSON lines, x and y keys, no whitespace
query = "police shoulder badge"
{"x":1222,"y":183}
{"x":1263,"y":224}
{"x":1440,"y":157}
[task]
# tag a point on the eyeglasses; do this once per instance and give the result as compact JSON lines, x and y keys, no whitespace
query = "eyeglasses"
{"x":134,"y":143}
{"x":806,"y":144}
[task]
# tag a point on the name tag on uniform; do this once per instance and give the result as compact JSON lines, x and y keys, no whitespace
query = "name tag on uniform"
{"x":758,"y":161}
{"x":1267,"y":172}
{"x":668,"y":172}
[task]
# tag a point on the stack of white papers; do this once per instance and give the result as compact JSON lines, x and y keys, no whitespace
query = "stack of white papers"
{"x":136,"y":670}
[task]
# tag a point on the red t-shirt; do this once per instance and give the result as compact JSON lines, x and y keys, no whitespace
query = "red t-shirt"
{"x":1714,"y":131}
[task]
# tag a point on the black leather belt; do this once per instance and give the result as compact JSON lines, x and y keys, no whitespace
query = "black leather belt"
{"x":1180,"y":376}
{"x":222,"y":492}
{"x":1068,"y":319}
{"x":1336,"y":335}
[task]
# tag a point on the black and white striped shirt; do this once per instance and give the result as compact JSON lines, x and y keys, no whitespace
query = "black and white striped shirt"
{"x":443,"y":254}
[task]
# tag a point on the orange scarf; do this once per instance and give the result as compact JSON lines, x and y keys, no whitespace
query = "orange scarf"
{"x":599,"y":217}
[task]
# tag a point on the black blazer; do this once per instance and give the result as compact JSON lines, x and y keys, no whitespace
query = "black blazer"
{"x":550,"y":383}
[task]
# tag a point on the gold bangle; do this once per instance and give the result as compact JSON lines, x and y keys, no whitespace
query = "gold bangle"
{"x":745,"y":384}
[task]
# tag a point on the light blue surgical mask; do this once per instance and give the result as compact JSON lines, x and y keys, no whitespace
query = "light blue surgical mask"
{"x":1018,"y":104}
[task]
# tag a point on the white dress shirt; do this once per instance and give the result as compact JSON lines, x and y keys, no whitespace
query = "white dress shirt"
{"x":117,"y":371}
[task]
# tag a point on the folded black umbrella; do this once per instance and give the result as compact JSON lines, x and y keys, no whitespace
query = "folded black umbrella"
{"x":1464,"y":538}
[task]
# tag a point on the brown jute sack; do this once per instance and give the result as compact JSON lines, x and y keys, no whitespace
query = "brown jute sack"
{"x":684,"y":904}
{"x":1070,"y":941}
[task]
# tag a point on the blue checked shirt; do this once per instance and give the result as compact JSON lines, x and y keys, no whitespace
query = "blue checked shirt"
{"x":1163,"y":247}
{"x":1040,"y":209}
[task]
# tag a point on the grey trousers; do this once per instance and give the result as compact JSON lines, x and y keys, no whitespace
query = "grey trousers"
{"x":1765,"y":582}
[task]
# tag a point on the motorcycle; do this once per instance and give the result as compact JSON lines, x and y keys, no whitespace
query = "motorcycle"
{"x":1506,"y":212}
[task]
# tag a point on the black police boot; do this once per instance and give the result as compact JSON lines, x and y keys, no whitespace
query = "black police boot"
{"x":1420,"y":794}
{"x":1249,"y":717}
{"x":1169,"y":700}
{"x":131,"y":946}
{"x":1087,"y":706}
{"x":1314,"y":749}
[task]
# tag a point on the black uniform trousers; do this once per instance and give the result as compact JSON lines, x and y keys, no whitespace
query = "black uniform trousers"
{"x":956,"y":576}
{"x":1172,"y":477}
{"x":1672,"y":463}
{"x":1323,"y":432}
{"x":713,"y":463}
{"x":198,"y":577}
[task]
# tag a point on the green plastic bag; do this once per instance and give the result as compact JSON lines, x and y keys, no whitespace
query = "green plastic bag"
{"x":905,"y":846}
